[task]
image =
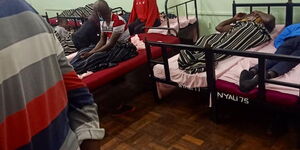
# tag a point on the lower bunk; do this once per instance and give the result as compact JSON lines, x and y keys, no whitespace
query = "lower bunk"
{"x":282,"y":93}
{"x":99,"y":78}
{"x":198,"y":81}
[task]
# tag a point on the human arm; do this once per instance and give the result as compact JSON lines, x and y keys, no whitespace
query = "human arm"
{"x":111,"y":42}
{"x":103,"y":46}
{"x":265,"y":17}
{"x":268,"y":20}
{"x":279,"y":40}
{"x":99,"y":45}
{"x":225,"y":26}
{"x":153,"y":15}
{"x":82,"y":113}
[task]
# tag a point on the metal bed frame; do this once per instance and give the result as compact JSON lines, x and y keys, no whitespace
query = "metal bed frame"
{"x":209,"y":59}
{"x":185,"y":4}
{"x":82,"y":19}
{"x":46,"y":17}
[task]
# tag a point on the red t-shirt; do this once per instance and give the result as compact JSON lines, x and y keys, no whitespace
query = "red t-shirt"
{"x":145,"y":10}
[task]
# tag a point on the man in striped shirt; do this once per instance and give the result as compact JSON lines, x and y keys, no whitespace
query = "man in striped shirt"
{"x":43,"y":104}
{"x":238,"y":33}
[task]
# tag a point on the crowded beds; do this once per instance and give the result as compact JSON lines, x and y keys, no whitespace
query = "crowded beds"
{"x":222,"y":78}
{"x":95,"y":78}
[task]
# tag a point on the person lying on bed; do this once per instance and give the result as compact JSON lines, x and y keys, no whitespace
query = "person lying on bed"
{"x":241,"y":32}
{"x":113,"y":47}
{"x":287,"y":43}
{"x":144,"y":13}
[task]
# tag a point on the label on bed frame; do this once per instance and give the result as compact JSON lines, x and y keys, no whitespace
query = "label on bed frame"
{"x":233,"y":97}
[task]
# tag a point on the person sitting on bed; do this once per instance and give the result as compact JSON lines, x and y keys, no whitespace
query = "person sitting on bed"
{"x":144,"y":13}
{"x":287,"y":43}
{"x":61,"y":27}
{"x":241,"y":32}
{"x":64,"y":36}
{"x":113,"y":47}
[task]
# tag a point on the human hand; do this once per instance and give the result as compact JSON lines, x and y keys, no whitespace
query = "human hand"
{"x":90,"y":145}
{"x":239,"y":16}
{"x":85,"y":55}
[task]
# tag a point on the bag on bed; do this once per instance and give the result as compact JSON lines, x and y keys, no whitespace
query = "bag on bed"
{"x":241,"y":37}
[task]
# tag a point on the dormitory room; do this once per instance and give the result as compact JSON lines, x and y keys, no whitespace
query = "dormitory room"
{"x":149,"y":75}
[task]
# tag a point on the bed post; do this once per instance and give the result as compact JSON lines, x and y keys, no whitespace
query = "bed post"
{"x":47,"y":18}
{"x":166,"y":10}
{"x":151,"y":73}
{"x":261,"y":79}
{"x":196,"y":14}
{"x":289,"y":13}
{"x":211,"y":82}
{"x":233,"y":8}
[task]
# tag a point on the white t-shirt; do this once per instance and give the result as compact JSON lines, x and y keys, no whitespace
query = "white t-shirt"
{"x":117,"y":25}
{"x":61,"y":31}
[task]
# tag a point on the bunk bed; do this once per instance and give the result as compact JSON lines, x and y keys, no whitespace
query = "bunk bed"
{"x":168,"y":72}
{"x":76,"y":17}
{"x":221,"y":82}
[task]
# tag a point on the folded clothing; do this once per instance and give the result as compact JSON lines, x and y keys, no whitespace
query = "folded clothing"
{"x":139,"y":44}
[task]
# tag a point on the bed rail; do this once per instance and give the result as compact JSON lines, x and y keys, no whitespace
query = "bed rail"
{"x":118,"y":10}
{"x":75,"y":19}
{"x":288,"y":8}
{"x":209,"y":60}
{"x":46,"y":17}
{"x":163,"y":28}
{"x":210,"y":63}
{"x":167,"y":8}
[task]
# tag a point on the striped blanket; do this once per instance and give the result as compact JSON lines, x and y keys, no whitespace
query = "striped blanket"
{"x":242,"y":36}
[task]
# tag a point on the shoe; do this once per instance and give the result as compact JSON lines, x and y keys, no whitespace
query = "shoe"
{"x":248,"y":81}
{"x":124,"y":109}
{"x":246,"y":75}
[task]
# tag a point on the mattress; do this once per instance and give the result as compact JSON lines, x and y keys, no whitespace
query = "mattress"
{"x":183,"y":22}
{"x":71,"y":23}
{"x":101,"y":77}
{"x":198,"y":80}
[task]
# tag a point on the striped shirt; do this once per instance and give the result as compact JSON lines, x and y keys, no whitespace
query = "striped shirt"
{"x":43,"y":104}
{"x":242,"y":36}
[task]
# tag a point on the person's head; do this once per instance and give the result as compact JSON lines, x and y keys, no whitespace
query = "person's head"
{"x":63,"y":22}
{"x":267,"y":19}
{"x":101,"y":9}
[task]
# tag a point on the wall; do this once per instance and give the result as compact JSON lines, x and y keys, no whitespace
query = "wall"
{"x":214,"y":11}
{"x":54,"y":6}
{"x":210,"y":12}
